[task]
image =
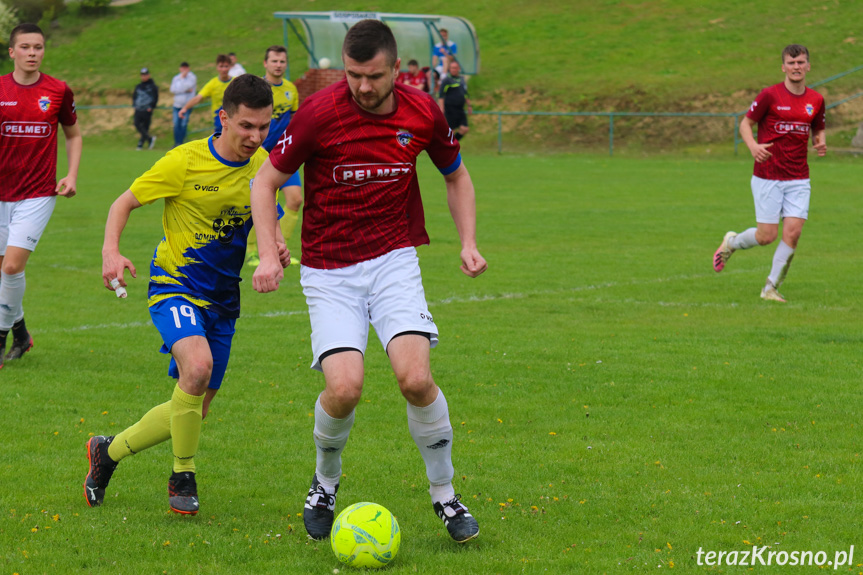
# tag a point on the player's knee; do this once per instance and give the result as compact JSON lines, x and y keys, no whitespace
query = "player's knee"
{"x":415,"y":385}
{"x":765,"y":237}
{"x":345,"y":393}
{"x":197,"y":374}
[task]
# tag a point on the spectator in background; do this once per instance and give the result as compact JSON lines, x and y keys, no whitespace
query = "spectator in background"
{"x":236,"y":68}
{"x":454,"y":99}
{"x":183,"y":87}
{"x":214,"y":90}
{"x":443,"y":53}
{"x":415,"y":77}
{"x":144,"y":99}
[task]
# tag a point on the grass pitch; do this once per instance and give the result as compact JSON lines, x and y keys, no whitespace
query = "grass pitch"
{"x":617,"y":405}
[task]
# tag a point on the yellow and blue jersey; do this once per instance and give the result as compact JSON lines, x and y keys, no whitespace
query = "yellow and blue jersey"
{"x":206,"y":219}
{"x":286,"y":101}
{"x":215,"y":91}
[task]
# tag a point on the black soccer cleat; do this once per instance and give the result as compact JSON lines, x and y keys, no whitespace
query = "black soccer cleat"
{"x":318,"y":513}
{"x":183,"y":493}
{"x":459,"y":522}
{"x":101,"y":469}
{"x":19,"y":347}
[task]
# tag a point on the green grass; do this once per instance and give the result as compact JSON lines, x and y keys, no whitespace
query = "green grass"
{"x":617,"y":405}
{"x":608,"y":55}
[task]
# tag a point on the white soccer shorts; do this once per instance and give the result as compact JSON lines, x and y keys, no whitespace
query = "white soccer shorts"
{"x":23,"y":222}
{"x":386,"y":292}
{"x":777,"y":199}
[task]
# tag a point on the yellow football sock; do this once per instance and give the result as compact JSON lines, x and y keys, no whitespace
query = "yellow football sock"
{"x":152,"y":429}
{"x":288,"y":223}
{"x":186,"y":413}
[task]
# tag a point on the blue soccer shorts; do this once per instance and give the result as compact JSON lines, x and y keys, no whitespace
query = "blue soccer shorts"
{"x":177,"y":318}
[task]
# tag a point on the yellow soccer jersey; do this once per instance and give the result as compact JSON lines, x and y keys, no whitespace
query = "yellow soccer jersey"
{"x":207,"y":219}
{"x":214,"y":90}
{"x":286,"y":100}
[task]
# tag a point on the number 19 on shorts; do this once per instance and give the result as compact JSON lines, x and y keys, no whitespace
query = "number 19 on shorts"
{"x":184,"y":311}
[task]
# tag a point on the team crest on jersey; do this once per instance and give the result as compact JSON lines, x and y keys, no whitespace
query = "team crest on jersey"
{"x":404,"y":137}
{"x":810,"y":109}
{"x":44,"y":103}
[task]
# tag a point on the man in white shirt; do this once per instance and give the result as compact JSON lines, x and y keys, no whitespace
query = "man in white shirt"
{"x":236,"y":68}
{"x":183,"y":86}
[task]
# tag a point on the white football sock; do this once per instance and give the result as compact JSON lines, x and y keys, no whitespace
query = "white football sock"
{"x":431,"y":430}
{"x":781,"y":260}
{"x":744,"y":240}
{"x":11,"y":299}
{"x":331,"y":436}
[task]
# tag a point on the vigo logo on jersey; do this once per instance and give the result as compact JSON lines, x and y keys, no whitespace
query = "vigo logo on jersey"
{"x":362,"y":174}
{"x":792,"y":128}
{"x":26,"y":129}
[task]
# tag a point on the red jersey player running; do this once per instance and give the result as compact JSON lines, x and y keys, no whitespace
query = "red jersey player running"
{"x":787,"y":114}
{"x":359,"y":140}
{"x":32,"y":104}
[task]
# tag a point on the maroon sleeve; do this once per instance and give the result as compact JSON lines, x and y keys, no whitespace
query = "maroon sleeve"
{"x":443,"y":148}
{"x":760,"y":106}
{"x":298,"y":143}
{"x":820,"y":121}
{"x":68,"y":114}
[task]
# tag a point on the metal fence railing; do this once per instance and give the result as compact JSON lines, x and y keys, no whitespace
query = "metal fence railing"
{"x":733,"y":116}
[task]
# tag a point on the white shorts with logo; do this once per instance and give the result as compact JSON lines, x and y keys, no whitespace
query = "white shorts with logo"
{"x":386,"y":292}
{"x":777,"y":199}
{"x":23,"y":222}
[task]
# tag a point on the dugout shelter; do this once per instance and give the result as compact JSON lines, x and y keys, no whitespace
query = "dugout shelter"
{"x":324,"y":32}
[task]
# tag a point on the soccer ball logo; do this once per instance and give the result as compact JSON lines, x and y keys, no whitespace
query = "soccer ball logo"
{"x":365,"y":535}
{"x":227,"y":229}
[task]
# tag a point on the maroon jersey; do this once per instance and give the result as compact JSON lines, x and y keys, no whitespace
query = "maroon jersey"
{"x":362,"y":198}
{"x":418,"y":80}
{"x":29,"y":117}
{"x":788,"y":121}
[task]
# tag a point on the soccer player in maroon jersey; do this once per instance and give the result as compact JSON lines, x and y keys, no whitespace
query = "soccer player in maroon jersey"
{"x":359,"y":140}
{"x":32,"y":104}
{"x":787,"y":115}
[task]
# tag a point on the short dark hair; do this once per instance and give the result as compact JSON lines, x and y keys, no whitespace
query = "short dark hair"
{"x":275,"y":48}
{"x":24,"y":28}
{"x":368,"y":37}
{"x":222,"y":59}
{"x":184,"y":64}
{"x":413,"y":63}
{"x":795,"y":50}
{"x":247,"y":90}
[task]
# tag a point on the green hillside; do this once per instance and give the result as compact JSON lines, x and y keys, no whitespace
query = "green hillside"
{"x":605,"y":54}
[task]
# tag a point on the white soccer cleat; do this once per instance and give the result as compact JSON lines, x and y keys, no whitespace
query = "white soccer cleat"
{"x":770,"y":293}
{"x":724,"y":252}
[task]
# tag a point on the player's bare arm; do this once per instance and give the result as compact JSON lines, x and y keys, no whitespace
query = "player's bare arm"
{"x":462,"y":206}
{"x":760,"y":152}
{"x":189,"y":105}
{"x":269,"y":272}
{"x":819,"y":142}
{"x":114,"y":263}
{"x":68,"y":186}
{"x":282,"y":248}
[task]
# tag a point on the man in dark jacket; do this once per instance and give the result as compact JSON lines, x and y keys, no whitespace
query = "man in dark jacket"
{"x":144,"y":99}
